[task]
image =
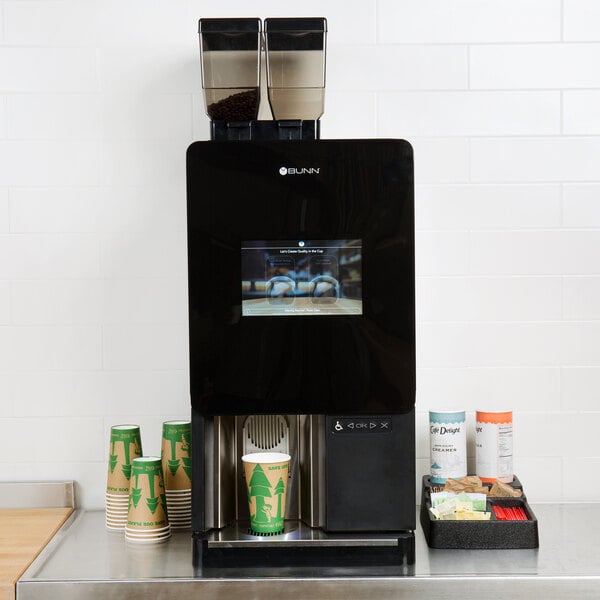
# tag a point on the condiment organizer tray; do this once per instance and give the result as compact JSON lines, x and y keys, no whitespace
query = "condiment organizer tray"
{"x":492,"y":534}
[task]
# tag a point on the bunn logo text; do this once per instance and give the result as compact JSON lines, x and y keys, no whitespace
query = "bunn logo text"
{"x":299,"y":170}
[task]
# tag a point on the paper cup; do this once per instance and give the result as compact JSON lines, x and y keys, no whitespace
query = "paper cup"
{"x":147,"y":501}
{"x":180,"y":518}
{"x":159,"y":535}
{"x":178,"y":493}
{"x":117,"y":499}
{"x":110,"y":502}
{"x":178,"y":501}
{"x":149,"y":534}
{"x":176,"y":454}
{"x":150,"y":541}
{"x":125,"y":445}
{"x":266,"y":475}
{"x":178,"y":505}
{"x":116,"y":513}
{"x":172,"y":500}
{"x":117,"y":519}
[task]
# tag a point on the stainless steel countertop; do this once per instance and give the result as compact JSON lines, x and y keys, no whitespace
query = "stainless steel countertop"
{"x":85,"y":560}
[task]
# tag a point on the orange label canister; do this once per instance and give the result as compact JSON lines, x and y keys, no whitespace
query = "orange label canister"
{"x":494,"y":446}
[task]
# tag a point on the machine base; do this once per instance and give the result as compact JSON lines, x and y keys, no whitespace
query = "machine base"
{"x":300,"y":545}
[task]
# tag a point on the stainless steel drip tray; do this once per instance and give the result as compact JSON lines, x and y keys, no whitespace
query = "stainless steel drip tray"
{"x":295,"y":533}
{"x":302,"y":545}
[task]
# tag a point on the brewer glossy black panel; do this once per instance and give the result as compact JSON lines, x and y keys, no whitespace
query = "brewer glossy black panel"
{"x":301,"y":190}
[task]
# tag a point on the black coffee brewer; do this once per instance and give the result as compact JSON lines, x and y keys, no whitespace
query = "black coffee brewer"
{"x":301,"y":311}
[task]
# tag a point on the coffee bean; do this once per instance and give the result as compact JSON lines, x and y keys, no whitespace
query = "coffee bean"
{"x":242,"y":106}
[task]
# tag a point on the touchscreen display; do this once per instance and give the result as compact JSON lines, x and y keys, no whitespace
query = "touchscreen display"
{"x":301,"y":278}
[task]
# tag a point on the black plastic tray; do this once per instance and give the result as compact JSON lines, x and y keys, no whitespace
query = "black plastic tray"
{"x":492,"y":534}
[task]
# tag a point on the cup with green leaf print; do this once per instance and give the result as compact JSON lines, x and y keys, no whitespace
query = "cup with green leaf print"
{"x":177,"y":468}
{"x":125,"y":445}
{"x":147,"y":517}
{"x":176,"y":454}
{"x":266,"y":475}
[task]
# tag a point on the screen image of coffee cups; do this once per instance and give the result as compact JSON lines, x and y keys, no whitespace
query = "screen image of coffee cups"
{"x":324,"y":264}
{"x":277,"y":266}
{"x":318,"y":270}
{"x":269,"y":273}
{"x":325,"y":289}
{"x":258,"y":267}
{"x":349,"y":270}
{"x":324,"y":271}
{"x":280,"y":290}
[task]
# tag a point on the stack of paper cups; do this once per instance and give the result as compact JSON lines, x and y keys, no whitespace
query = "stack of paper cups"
{"x":147,"y":518}
{"x":177,"y":469}
{"x":125,"y":445}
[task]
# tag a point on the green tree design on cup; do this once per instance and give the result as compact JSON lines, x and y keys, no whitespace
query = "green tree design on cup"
{"x":113,"y":458}
{"x":152,"y":500}
{"x":260,"y":488}
{"x":135,"y":492}
{"x":173,"y":436}
{"x":126,"y":466}
{"x":125,"y":445}
{"x":279,"y":491}
{"x":266,"y":475}
{"x":147,"y":505}
{"x":175,"y":453}
{"x":186,"y":447}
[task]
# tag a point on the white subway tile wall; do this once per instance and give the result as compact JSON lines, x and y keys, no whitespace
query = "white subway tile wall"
{"x":98,"y":102}
{"x":4,"y":216}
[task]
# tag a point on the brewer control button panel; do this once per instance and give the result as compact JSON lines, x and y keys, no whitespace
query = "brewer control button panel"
{"x":361,"y":425}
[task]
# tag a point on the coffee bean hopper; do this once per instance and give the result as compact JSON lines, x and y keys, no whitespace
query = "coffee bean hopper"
{"x":301,"y":310}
